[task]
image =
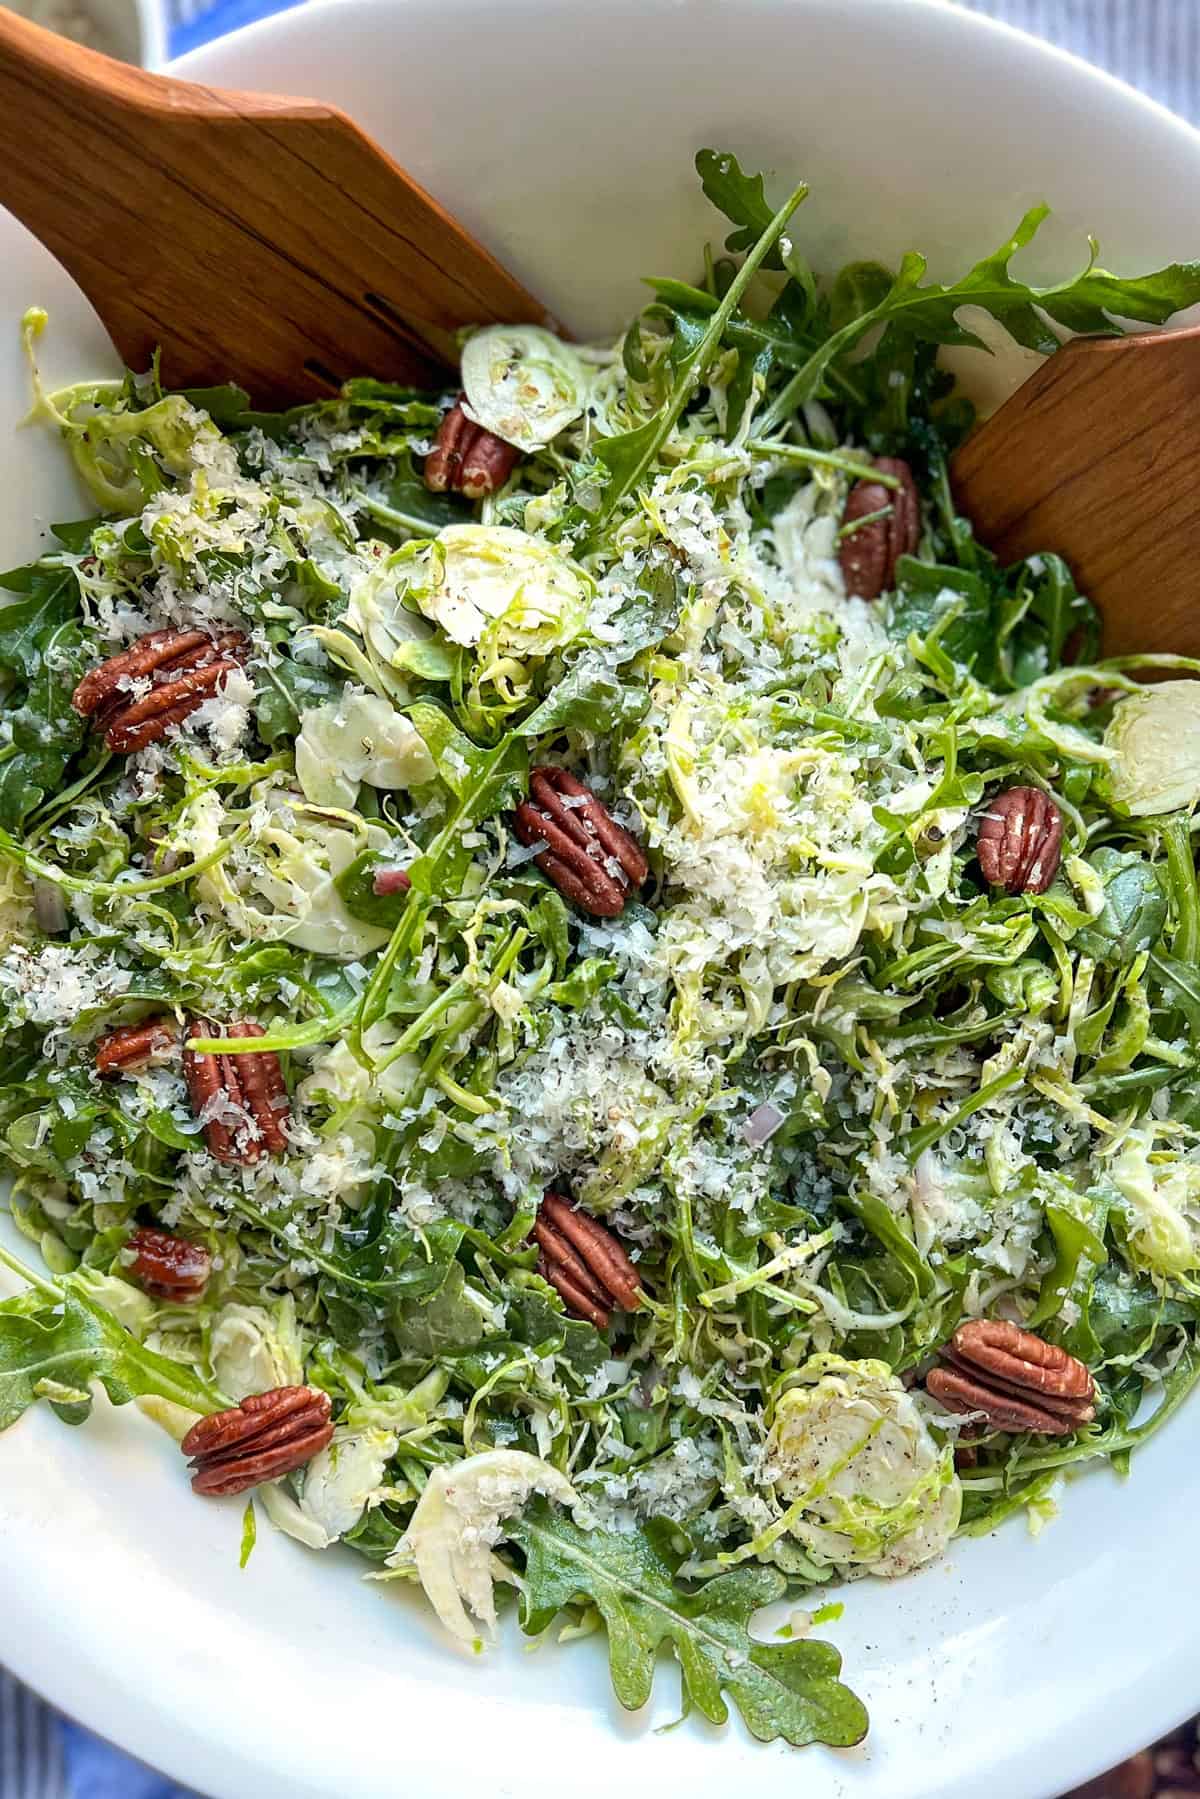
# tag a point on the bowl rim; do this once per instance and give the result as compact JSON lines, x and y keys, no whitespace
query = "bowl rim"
{"x":47,"y":1669}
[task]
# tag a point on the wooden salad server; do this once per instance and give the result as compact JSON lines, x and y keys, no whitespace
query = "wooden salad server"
{"x":1097,"y":456}
{"x":251,"y":238}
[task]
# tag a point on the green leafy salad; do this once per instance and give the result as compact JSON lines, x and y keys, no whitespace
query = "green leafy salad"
{"x":631,"y":783}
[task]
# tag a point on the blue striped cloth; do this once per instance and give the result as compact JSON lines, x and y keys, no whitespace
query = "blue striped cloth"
{"x":1155,"y":45}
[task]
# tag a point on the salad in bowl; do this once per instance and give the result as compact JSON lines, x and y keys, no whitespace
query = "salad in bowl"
{"x":597,"y":1003}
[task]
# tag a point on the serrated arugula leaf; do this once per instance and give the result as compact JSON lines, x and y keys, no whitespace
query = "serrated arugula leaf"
{"x":50,"y":600}
{"x":76,"y":534}
{"x":1085,"y":303}
{"x":789,"y":1690}
{"x":1042,"y":618}
{"x":1134,"y":911}
{"x":284,"y":689}
{"x":590,"y":698}
{"x":41,"y":648}
{"x":628,"y":457}
{"x":447,"y":1322}
{"x":740,"y":197}
{"x":62,"y":1346}
{"x":482,"y":780}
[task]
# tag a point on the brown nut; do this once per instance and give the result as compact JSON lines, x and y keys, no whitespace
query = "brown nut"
{"x":467,"y":459}
{"x":266,"y":1436}
{"x":1133,"y":1779}
{"x":1175,"y":1765}
{"x":868,"y":555}
{"x":183,"y":668}
{"x":1019,"y":843}
{"x":1017,"y":1381}
{"x":584,"y":1262}
{"x":132,"y":1047}
{"x":169,"y":1267}
{"x":241,"y":1100}
{"x":590,"y":857}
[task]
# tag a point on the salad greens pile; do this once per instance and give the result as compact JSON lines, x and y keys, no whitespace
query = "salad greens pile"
{"x":832,"y":1092}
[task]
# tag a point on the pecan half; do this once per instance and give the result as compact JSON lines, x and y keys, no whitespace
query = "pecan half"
{"x":183,"y":668}
{"x":869,"y":554}
{"x":132,"y":1047}
{"x":1134,"y":1779}
{"x":1019,"y":843}
{"x":1016,"y":1380}
{"x":241,"y":1100}
{"x":590,"y":857}
{"x":467,"y":459}
{"x":169,"y":1267}
{"x":269,"y":1434}
{"x":584,"y":1262}
{"x":1175,"y":1763}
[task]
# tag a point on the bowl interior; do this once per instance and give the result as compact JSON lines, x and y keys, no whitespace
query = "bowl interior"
{"x":564,"y":137}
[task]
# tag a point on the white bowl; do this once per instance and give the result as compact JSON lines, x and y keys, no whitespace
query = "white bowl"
{"x":564,"y":135}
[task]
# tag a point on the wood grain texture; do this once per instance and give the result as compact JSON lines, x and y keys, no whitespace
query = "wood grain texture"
{"x":252,"y":238}
{"x":1097,"y":457}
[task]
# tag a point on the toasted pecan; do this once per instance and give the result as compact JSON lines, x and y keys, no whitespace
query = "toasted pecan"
{"x":264,"y":1437}
{"x":584,"y":1262}
{"x":1019,"y":842}
{"x":590,"y":858}
{"x":183,"y":668}
{"x":251,"y":1117}
{"x":467,"y":459}
{"x":1016,"y":1380}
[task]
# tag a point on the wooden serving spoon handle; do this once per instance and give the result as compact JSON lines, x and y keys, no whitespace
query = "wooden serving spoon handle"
{"x":1097,"y":456}
{"x":252,"y":238}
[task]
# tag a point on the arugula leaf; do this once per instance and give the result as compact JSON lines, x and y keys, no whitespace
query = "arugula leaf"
{"x":589,"y":698}
{"x":886,"y":1227}
{"x":1042,"y":619}
{"x":405,"y":505}
{"x":284,"y":689}
{"x":628,"y":457}
{"x":1074,"y":1242}
{"x":786,"y":1690}
{"x":449,"y":1320}
{"x":69,"y":1343}
{"x":954,"y":601}
{"x":1084,"y":303}
{"x":740,"y":197}
{"x":1135,"y":908}
{"x":41,"y":646}
{"x":585,"y":981}
{"x":76,"y":535}
{"x":652,"y":610}
{"x":27,"y":625}
{"x":541,"y":1321}
{"x":226,"y":405}
{"x":1181,"y":984}
{"x":472,"y":773}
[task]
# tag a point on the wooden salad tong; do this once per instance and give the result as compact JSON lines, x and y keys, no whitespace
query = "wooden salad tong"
{"x":1097,"y":456}
{"x":269,"y":241}
{"x":251,"y":238}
